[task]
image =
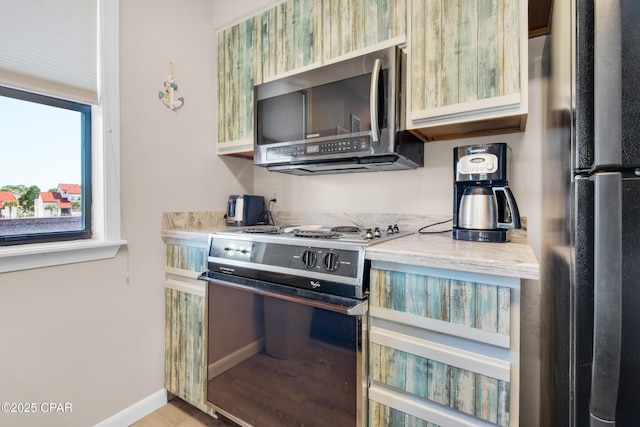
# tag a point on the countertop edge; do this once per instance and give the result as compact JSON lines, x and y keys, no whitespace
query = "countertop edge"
{"x":521,"y":271}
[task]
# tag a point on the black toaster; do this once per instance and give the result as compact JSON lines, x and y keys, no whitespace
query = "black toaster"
{"x":244,"y":210}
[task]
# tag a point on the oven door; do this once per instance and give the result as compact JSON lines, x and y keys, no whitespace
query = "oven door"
{"x":282,"y":356}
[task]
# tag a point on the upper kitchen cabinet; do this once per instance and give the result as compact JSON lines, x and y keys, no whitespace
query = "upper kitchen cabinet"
{"x":351,"y":25}
{"x":238,"y":48}
{"x":467,"y":67}
{"x":289,"y":37}
{"x":263,"y":47}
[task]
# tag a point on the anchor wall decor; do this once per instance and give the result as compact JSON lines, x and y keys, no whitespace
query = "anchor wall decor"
{"x":168,"y":94}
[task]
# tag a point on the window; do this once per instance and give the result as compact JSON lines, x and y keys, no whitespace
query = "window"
{"x":99,"y":132}
{"x":46,"y":176}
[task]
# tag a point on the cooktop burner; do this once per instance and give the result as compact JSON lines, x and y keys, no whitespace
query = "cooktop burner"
{"x":266,"y":230}
{"x":317,"y":234}
{"x":346,"y":229}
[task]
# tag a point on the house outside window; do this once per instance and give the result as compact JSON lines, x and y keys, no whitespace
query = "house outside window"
{"x":8,"y":205}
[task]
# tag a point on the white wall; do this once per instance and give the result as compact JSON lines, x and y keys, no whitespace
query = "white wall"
{"x":92,"y":334}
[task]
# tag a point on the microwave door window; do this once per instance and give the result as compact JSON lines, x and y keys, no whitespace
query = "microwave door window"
{"x":324,"y":111}
{"x":339,"y":108}
{"x":284,"y":120}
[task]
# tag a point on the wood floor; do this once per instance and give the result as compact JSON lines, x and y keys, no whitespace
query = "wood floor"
{"x":178,"y":413}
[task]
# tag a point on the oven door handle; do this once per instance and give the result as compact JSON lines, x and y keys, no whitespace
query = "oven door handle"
{"x":357,"y":309}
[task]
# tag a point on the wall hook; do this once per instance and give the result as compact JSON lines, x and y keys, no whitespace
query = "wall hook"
{"x":168,"y":94}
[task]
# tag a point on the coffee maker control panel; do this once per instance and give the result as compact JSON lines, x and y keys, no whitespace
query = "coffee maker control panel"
{"x":478,"y":164}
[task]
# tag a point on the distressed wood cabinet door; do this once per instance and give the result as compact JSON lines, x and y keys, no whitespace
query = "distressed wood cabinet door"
{"x":442,"y":348}
{"x":467,"y":64}
{"x":238,"y":48}
{"x":350,"y":25}
{"x":289,"y":37}
{"x":185,"y":355}
{"x":184,"y":346}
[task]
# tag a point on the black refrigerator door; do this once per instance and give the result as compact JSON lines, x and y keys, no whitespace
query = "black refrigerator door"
{"x":607,"y":298}
{"x":608,"y":64}
{"x":580,"y":295}
{"x":628,"y":410}
{"x":581,"y":305}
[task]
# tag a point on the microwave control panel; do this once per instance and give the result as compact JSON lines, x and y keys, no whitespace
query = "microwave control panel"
{"x":354,"y":144}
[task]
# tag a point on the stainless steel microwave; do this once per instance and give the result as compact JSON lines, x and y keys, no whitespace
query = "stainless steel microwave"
{"x":343,"y":117}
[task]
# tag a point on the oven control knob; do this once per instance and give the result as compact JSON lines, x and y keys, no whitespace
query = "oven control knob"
{"x":330,"y":261}
{"x":309,"y":258}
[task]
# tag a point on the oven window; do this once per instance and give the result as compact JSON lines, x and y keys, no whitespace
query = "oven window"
{"x":331,"y":109}
{"x":275,"y":362}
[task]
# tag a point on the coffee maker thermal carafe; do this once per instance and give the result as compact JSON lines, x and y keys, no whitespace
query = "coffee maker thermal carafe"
{"x":483,"y":206}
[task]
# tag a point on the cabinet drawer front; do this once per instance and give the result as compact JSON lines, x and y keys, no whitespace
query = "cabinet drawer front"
{"x":384,"y":416}
{"x":474,"y":305}
{"x":463,"y":390}
{"x":186,"y":257}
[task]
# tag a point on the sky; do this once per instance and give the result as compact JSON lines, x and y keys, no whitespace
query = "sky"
{"x":39,"y":145}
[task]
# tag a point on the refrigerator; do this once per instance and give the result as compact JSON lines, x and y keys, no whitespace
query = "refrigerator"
{"x":590,"y":285}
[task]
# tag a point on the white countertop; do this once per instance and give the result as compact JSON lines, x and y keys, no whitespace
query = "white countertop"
{"x":442,"y":251}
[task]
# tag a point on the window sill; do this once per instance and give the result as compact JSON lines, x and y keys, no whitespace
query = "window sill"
{"x":15,"y":258}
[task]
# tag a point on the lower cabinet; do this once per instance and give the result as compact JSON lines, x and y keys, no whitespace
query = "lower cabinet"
{"x":184,"y":346}
{"x":185,"y":364}
{"x":444,"y":347}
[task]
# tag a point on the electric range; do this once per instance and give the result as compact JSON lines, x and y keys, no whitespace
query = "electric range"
{"x":325,"y":260}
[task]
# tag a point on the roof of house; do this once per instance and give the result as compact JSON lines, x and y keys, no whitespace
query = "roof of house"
{"x":70,"y":188}
{"x":6,"y":196}
{"x":55,"y":197}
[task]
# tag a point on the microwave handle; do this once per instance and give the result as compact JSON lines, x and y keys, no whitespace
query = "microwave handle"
{"x":373,"y":100}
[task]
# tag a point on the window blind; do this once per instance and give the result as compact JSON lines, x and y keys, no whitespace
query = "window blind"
{"x":50,"y":47}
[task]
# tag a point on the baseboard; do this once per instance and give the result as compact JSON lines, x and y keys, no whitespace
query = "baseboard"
{"x":137,"y":411}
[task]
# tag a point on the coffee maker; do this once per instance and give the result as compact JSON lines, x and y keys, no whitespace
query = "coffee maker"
{"x":483,"y":206}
